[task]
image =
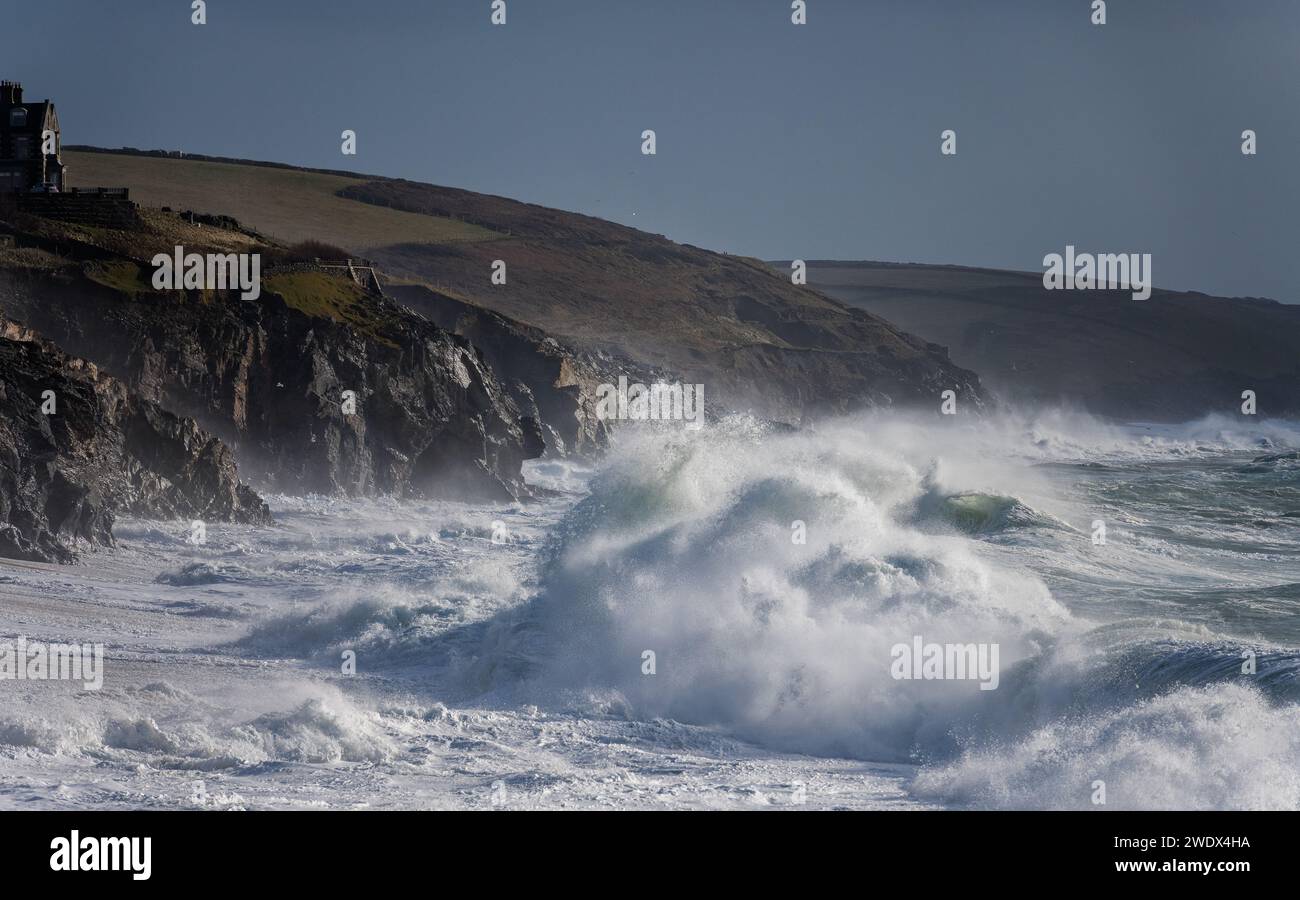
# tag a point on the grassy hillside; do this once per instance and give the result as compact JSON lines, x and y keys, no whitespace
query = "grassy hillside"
{"x":754,"y":339}
{"x":290,"y":204}
{"x":1173,"y":356}
{"x":726,"y":321}
{"x":333,"y":297}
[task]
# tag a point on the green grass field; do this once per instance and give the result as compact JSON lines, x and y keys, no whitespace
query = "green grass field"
{"x":120,"y":275}
{"x":283,"y":203}
{"x":329,"y":296}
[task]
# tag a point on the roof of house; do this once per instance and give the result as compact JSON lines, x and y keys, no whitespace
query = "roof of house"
{"x":40,"y":115}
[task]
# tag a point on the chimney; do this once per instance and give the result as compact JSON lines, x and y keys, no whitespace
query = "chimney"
{"x":11,"y":93}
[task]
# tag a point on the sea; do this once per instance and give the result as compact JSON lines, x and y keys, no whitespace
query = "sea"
{"x":705,"y":619}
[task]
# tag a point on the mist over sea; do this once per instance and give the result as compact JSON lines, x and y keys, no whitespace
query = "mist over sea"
{"x":500,"y":650}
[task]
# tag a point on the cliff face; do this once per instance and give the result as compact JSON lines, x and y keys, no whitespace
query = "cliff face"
{"x":552,"y":384}
{"x":271,"y":376}
{"x":76,"y":446}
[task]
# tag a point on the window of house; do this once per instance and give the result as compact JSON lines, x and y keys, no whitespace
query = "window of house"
{"x":17,"y":116}
{"x":22,"y":147}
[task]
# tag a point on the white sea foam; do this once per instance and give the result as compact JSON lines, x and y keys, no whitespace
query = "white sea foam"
{"x":1218,"y":747}
{"x":684,"y":549}
{"x":504,"y":644}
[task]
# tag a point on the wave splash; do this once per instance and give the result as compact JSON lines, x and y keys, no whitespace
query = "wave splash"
{"x":768,"y":576}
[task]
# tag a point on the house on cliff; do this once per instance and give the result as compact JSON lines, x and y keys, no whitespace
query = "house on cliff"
{"x":24,"y":162}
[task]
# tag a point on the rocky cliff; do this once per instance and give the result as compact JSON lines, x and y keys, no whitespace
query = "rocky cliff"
{"x":553,"y":384}
{"x":76,"y":447}
{"x":317,"y":385}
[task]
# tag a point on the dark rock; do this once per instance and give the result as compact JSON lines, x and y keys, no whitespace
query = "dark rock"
{"x":554,"y":385}
{"x":267,"y":376}
{"x":103,"y":450}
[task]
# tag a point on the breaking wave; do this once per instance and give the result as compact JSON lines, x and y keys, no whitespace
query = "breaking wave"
{"x":764,"y":578}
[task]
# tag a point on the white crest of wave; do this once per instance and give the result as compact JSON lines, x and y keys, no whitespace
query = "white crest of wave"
{"x":686,"y":548}
{"x":1219,"y":747}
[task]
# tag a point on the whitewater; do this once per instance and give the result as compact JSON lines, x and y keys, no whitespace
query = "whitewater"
{"x":704,"y":620}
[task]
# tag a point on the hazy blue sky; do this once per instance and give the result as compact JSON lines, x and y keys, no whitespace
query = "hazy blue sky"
{"x":773,"y":140}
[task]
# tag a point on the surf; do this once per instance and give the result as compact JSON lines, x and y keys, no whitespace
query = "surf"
{"x":684,"y":549}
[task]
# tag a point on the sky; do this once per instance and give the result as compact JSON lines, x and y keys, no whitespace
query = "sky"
{"x":773,"y":140}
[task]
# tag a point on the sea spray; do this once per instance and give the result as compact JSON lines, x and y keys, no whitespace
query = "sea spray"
{"x":685,"y":554}
{"x":684,"y":549}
